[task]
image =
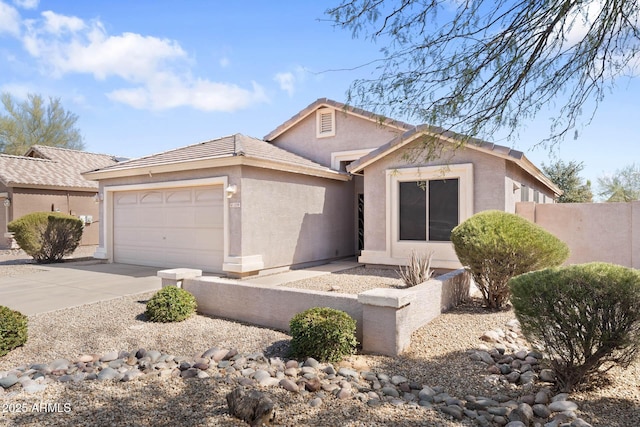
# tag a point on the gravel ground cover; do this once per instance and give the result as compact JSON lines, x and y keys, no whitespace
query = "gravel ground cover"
{"x":438,"y":357}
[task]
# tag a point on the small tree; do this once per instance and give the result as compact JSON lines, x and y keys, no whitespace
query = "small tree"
{"x":496,"y":246}
{"x":47,"y":236}
{"x":566,"y":177}
{"x":585,"y":317}
{"x":622,"y":186}
{"x":32,"y":123}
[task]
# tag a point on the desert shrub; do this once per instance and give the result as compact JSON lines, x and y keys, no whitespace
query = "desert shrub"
{"x":323,"y":333}
{"x":418,"y":270}
{"x":47,"y":236}
{"x":13,"y":329}
{"x":170,"y":304}
{"x":496,"y":246}
{"x":585,"y":317}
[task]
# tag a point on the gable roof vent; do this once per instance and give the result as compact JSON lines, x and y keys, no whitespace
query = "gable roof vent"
{"x":325,"y":122}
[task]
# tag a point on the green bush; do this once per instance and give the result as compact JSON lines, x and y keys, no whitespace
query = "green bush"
{"x":170,"y":304}
{"x":47,"y":236}
{"x":585,"y":317}
{"x":323,"y":333}
{"x":13,"y":329}
{"x":496,"y":246}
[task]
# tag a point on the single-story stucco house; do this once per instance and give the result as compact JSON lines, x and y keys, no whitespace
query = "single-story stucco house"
{"x":331,"y":182}
{"x":48,"y":179}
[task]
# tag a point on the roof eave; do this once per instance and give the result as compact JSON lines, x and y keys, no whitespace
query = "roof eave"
{"x":518,"y":157}
{"x":213,"y":163}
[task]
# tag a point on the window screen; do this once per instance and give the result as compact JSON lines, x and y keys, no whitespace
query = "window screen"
{"x":413,"y":210}
{"x":443,"y":208}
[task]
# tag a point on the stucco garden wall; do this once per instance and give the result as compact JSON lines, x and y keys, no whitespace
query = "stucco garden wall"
{"x":385,"y":318}
{"x":607,"y":232}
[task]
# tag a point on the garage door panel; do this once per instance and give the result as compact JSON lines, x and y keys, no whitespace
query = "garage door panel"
{"x":170,"y":228}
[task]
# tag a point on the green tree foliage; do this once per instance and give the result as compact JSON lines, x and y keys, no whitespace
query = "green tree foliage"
{"x":47,"y":236}
{"x":496,"y":246}
{"x":34,"y":122}
{"x":566,"y":177}
{"x":622,"y":186}
{"x":479,"y":65}
{"x":585,"y":317}
{"x":323,"y":333}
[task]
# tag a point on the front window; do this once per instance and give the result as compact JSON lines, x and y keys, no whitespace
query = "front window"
{"x":429,"y":210}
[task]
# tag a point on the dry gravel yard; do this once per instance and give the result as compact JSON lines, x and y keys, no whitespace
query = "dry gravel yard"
{"x":438,"y":357}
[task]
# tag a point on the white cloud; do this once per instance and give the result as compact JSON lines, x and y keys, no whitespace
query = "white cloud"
{"x":9,"y":20}
{"x":289,"y":81}
{"x":159,"y":69}
{"x":166,"y":91}
{"x":55,"y":23}
{"x":27,"y":4}
{"x":286,"y":82}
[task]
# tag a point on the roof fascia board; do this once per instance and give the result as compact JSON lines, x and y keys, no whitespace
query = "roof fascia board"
{"x":290,"y":167}
{"x":17,"y":186}
{"x":212,"y":163}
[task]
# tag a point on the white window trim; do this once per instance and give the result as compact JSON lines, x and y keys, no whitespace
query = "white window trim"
{"x":319,"y":113}
{"x":442,"y":250}
{"x":347,"y":156}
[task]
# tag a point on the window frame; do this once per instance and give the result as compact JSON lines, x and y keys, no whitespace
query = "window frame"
{"x":463,"y":172}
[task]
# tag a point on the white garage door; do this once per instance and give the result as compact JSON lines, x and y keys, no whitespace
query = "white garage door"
{"x":177,"y":227}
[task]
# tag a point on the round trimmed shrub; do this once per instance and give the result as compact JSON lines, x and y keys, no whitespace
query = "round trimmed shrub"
{"x":13,"y":329}
{"x":496,"y":246}
{"x":323,"y":333}
{"x":170,"y":304}
{"x":585,"y":317}
{"x":47,"y":236}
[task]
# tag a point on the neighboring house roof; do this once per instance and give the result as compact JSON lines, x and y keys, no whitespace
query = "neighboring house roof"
{"x":416,"y":132}
{"x":324,"y":102}
{"x":52,"y":168}
{"x":229,"y":150}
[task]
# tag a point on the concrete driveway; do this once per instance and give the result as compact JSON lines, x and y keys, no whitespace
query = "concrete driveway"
{"x":44,"y":288}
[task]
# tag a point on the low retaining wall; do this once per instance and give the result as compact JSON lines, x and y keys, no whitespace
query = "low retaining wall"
{"x":385,"y":318}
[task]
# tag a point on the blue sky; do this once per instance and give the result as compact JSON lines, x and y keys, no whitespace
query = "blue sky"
{"x":147,"y":76}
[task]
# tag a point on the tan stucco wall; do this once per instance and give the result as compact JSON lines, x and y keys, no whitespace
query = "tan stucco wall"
{"x":513,"y":194}
{"x":25,"y":201}
{"x":352,"y":133}
{"x":293,"y":219}
{"x":607,"y":232}
{"x":488,"y":191}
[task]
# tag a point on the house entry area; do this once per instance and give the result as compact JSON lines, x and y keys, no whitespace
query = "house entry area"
{"x":170,"y":227}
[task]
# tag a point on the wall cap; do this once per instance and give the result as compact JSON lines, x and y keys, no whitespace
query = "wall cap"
{"x":396,"y":298}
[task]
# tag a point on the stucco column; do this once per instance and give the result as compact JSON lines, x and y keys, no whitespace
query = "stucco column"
{"x":385,"y":326}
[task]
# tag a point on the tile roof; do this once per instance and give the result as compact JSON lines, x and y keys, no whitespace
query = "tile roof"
{"x":51,"y":167}
{"x":225,"y":147}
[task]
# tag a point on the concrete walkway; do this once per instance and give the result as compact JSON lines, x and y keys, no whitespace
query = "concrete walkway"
{"x":58,"y":286}
{"x":278,"y":279}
